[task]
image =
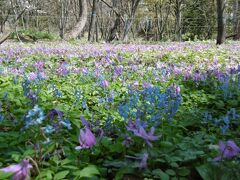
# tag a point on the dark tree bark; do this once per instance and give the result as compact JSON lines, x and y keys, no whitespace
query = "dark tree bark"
{"x":92,"y":27}
{"x":113,"y":31}
{"x":221,"y":20}
{"x":78,"y":28}
{"x":162,"y":19}
{"x":178,"y":15}
{"x":3,"y":19}
{"x":236,"y":21}
{"x":130,"y":20}
{"x":63,"y":18}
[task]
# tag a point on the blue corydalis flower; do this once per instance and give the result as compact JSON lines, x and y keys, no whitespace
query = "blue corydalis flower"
{"x":66,"y":123}
{"x":48,"y":129}
{"x":34,"y":117}
{"x":78,"y":95}
{"x":56,"y":92}
{"x":1,"y":118}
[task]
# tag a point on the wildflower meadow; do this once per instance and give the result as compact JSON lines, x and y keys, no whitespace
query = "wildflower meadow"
{"x":130,"y":111}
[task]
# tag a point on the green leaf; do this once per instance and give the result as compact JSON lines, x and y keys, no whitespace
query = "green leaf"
{"x":174,"y":165}
{"x":5,"y":175}
{"x":170,"y":172}
{"x":46,"y":174}
{"x":16,"y":157}
{"x":161,"y":174}
{"x":117,"y":147}
{"x":88,"y":171}
{"x":204,"y":171}
{"x":124,"y":170}
{"x":61,"y":175}
{"x":65,"y":161}
{"x":166,"y":144}
{"x":183,"y":172}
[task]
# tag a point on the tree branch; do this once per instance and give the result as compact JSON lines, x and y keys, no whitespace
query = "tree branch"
{"x":114,"y":10}
{"x":7,"y":34}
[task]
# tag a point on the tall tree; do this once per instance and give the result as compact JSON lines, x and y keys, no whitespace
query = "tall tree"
{"x":236,"y":21}
{"x":178,"y":15}
{"x":78,"y":28}
{"x":63,"y":17}
{"x":115,"y":8}
{"x":92,"y":27}
{"x":129,"y":22}
{"x":221,"y":21}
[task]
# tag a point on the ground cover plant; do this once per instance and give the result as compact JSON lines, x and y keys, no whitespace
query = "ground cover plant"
{"x":168,"y":111}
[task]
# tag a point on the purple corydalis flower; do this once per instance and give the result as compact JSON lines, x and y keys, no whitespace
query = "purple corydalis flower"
{"x":86,"y":139}
{"x":104,"y":83}
{"x":176,"y":89}
{"x":227,"y":150}
{"x":32,"y":76}
{"x":127,"y":141}
{"x":63,"y":68}
{"x":86,"y":123}
{"x":198,"y":76}
{"x":39,"y":65}
{"x":118,"y":70}
{"x":147,"y":85}
{"x":55,"y":113}
{"x":21,"y":170}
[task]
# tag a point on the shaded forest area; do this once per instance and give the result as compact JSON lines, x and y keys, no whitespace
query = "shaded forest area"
{"x":123,"y":20}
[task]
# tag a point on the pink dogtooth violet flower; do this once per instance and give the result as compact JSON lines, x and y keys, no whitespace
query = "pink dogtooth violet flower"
{"x":86,"y":139}
{"x":21,"y":170}
{"x":227,"y":150}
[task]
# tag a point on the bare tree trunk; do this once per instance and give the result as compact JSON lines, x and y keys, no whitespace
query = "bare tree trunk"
{"x":92,"y":27}
{"x":236,"y":25}
{"x":113,"y":30}
{"x":130,"y":20}
{"x":97,"y":38}
{"x":161,"y":21}
{"x":78,"y":28}
{"x":178,"y":14}
{"x":221,"y":21}
{"x":3,"y":20}
{"x":63,"y":17}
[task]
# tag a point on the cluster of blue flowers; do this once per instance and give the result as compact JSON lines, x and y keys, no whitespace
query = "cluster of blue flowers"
{"x":31,"y":89}
{"x":223,"y":122}
{"x":57,"y":120}
{"x":229,"y":84}
{"x":34,"y":117}
{"x":1,"y":115}
{"x":150,"y":104}
{"x":56,"y":92}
